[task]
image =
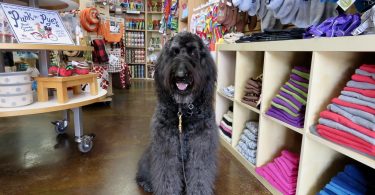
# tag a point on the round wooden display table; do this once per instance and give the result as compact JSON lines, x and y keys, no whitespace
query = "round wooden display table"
{"x":75,"y":103}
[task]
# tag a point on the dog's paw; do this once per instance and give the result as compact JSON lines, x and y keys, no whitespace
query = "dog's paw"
{"x":145,"y":185}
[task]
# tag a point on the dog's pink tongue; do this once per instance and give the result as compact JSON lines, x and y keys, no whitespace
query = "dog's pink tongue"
{"x":182,"y":86}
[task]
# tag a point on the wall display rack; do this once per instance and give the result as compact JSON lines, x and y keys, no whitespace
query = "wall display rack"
{"x":332,"y":62}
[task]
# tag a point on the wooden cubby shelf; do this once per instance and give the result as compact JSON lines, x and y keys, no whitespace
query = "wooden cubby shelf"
{"x":256,"y":110}
{"x":225,"y":96}
{"x":298,"y":130}
{"x":332,"y":62}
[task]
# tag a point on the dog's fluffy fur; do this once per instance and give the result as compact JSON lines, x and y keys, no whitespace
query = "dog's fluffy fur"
{"x":166,"y":168}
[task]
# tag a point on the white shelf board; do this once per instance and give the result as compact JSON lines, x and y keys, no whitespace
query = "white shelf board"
{"x":223,"y":95}
{"x":298,"y":130}
{"x":250,"y":167}
{"x":52,"y":105}
{"x":344,"y":150}
{"x":256,"y":110}
{"x":353,"y":43}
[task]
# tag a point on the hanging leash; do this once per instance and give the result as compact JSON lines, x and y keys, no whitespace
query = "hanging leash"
{"x":179,"y":114}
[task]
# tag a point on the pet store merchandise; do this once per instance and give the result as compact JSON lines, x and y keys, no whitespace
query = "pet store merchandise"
{"x":304,"y":75}
{"x":148,"y":24}
{"x":316,"y":97}
{"x":26,"y":90}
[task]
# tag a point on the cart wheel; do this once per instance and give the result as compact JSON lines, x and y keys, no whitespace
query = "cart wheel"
{"x":86,"y":144}
{"x":60,"y":126}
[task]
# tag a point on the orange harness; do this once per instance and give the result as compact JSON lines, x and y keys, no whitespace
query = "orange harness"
{"x":105,"y":31}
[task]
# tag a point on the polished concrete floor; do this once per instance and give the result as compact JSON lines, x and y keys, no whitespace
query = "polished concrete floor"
{"x":33,"y":160}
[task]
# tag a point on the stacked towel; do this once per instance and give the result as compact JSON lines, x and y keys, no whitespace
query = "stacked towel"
{"x":352,"y":180}
{"x":226,"y":125}
{"x":350,"y":119}
{"x":290,"y":103}
{"x":229,"y":91}
{"x":253,"y":91}
{"x":282,"y":172}
{"x":247,"y":145}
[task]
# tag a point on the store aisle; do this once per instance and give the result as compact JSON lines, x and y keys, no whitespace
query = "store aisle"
{"x":33,"y":160}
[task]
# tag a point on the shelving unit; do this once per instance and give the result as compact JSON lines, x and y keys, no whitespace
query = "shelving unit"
{"x":332,"y":61}
{"x":152,"y":15}
{"x":185,"y":23}
{"x":147,"y":15}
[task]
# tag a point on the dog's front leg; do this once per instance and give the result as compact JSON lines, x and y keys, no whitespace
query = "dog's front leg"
{"x":165,"y":166}
{"x":201,"y":166}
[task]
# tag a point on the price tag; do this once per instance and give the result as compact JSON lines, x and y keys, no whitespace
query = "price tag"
{"x":345,"y":4}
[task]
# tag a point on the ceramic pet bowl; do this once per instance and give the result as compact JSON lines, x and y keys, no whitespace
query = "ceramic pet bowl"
{"x":14,"y":89}
{"x":9,"y":101}
{"x":14,"y":77}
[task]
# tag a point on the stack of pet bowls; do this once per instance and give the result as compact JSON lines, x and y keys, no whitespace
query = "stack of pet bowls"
{"x":15,"y":89}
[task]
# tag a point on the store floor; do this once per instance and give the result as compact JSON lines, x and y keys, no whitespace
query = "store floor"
{"x":33,"y":160}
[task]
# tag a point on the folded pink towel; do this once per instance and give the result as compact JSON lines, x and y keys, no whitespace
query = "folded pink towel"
{"x":277,"y":175}
{"x":225,"y":128}
{"x":288,"y":172}
{"x":292,"y":157}
{"x":289,"y":178}
{"x":290,"y":166}
{"x":266,"y":172}
{"x":262,"y":172}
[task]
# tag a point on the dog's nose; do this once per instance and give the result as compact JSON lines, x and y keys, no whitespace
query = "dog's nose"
{"x":181,"y":71}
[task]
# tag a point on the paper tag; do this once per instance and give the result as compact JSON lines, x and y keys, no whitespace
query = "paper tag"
{"x":113,"y":59}
{"x":114,"y":26}
{"x":345,"y":4}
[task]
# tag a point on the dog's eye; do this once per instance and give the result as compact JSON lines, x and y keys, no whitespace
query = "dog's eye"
{"x":175,"y":51}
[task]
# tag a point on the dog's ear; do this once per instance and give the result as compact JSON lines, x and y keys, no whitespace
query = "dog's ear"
{"x":160,"y":65}
{"x":209,"y":66}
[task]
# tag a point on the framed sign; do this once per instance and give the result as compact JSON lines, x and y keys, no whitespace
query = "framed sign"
{"x":32,"y":25}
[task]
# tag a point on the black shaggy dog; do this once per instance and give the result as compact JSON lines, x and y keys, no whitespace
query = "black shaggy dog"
{"x":182,"y":156}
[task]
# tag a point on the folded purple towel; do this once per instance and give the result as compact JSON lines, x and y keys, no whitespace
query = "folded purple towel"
{"x":298,"y":86}
{"x":302,"y":69}
{"x":298,"y":78}
{"x":285,"y":104}
{"x":285,"y":117}
{"x":293,"y":91}
{"x":291,"y":98}
{"x":274,"y":112}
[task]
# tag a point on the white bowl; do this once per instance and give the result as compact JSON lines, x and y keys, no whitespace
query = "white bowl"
{"x":14,"y":77}
{"x":14,"y":89}
{"x":10,"y":101}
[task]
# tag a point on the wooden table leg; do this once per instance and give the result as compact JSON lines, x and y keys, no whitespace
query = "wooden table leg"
{"x":94,"y":86}
{"x":77,"y":90}
{"x":42,"y":92}
{"x":62,"y":93}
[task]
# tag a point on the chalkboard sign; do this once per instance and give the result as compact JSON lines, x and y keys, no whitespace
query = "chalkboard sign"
{"x":32,"y":25}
